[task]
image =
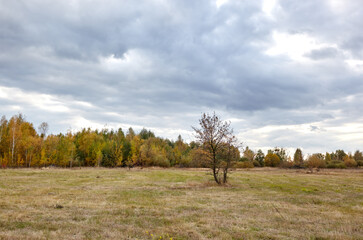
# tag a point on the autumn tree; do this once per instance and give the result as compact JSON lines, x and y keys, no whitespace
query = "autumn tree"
{"x":3,"y":131}
{"x":43,"y":129}
{"x":15,"y":134}
{"x":135,"y":159}
{"x":3,"y":123}
{"x":130,"y":134}
{"x":315,"y":160}
{"x":249,"y":154}
{"x":272,"y":159}
{"x":147,"y":153}
{"x":28,"y":143}
{"x":65,"y":150}
{"x":112,"y":152}
{"x":145,"y":134}
{"x":217,"y":141}
{"x":180,"y":153}
{"x":230,"y":153}
{"x":70,"y":148}
{"x":298,"y":158}
{"x":338,"y":155}
{"x":349,"y":161}
{"x":259,"y":158}
{"x":89,"y":147}
{"x":327,"y":158}
{"x":281,"y":153}
{"x":358,"y":157}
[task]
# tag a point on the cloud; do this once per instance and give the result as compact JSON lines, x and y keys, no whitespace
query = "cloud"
{"x":159,"y":64}
{"x":323,"y":53}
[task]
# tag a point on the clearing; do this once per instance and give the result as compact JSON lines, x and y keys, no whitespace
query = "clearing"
{"x":99,"y":203}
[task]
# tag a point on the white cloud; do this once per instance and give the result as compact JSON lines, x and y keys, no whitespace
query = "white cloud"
{"x":338,"y":6}
{"x":268,"y":7}
{"x":35,"y":100}
{"x":112,"y":63}
{"x":133,"y":63}
{"x":220,"y":3}
{"x":295,"y":45}
{"x":79,"y":122}
{"x":355,"y":64}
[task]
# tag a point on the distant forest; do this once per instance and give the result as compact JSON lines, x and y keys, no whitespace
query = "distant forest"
{"x":22,"y":146}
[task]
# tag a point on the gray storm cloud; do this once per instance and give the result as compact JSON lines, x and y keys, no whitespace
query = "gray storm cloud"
{"x":159,"y":64}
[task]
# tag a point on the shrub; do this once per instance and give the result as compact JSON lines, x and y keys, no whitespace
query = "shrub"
{"x":161,"y":161}
{"x":245,"y":164}
{"x":349,"y":162}
{"x":315,"y":161}
{"x":185,"y":161}
{"x":287,"y":164}
{"x":272,"y":160}
{"x":336,"y":164}
{"x":256,"y":163}
{"x":108,"y":162}
{"x":243,"y":159}
{"x":198,"y":158}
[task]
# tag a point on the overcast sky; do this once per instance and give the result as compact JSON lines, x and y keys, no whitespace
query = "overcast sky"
{"x":286,"y":73}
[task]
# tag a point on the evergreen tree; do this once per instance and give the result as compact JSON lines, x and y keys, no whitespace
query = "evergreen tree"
{"x":298,"y":158}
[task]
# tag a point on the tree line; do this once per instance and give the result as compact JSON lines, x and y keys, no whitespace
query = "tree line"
{"x":278,"y":157}
{"x":22,"y":145}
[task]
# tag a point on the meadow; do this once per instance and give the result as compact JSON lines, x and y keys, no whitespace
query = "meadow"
{"x":154,"y":203}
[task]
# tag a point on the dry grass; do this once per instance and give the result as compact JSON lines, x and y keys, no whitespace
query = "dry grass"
{"x":180,"y":204}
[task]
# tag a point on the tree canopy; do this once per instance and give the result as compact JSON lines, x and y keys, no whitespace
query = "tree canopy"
{"x":219,"y":145}
{"x":215,"y":147}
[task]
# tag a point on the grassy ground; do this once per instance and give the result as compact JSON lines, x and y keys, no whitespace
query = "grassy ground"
{"x":180,"y":204}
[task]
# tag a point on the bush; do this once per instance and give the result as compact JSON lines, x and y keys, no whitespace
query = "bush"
{"x":272,"y":160}
{"x":287,"y":164}
{"x":185,"y":161}
{"x":349,"y":162}
{"x":359,"y":163}
{"x":336,"y":164}
{"x":243,"y":159}
{"x":108,"y":162}
{"x":161,"y":161}
{"x":256,"y":163}
{"x":77,"y":162}
{"x":314,"y":161}
{"x":245,"y":164}
{"x":198,"y":158}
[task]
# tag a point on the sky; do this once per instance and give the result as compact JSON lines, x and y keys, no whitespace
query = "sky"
{"x":286,"y":73}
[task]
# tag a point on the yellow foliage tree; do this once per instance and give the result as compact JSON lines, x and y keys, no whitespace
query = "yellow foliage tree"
{"x":272,"y":160}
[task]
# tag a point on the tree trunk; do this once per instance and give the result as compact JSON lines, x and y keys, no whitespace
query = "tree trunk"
{"x":215,"y":174}
{"x":225,"y":176}
{"x":12,"y":150}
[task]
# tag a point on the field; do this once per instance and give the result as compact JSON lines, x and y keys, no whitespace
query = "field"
{"x":180,"y":204}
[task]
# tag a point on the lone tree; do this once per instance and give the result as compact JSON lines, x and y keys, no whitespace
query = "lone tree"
{"x":218,"y":144}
